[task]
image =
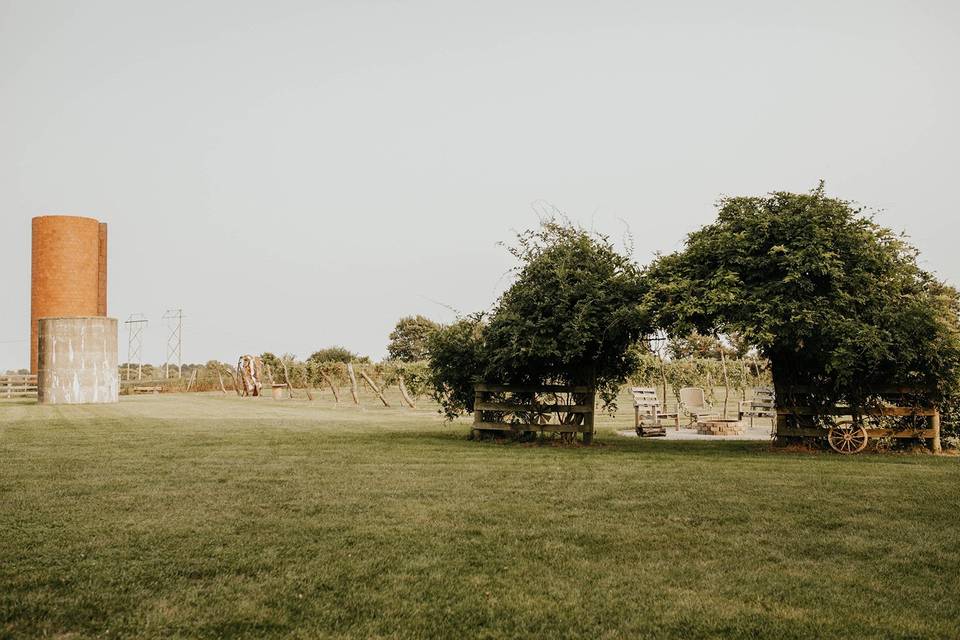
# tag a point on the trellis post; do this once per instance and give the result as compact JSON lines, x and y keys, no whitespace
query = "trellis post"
{"x":935,"y":425}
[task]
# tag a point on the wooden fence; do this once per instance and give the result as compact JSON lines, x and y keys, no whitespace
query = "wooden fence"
{"x":518,"y":410}
{"x":794,"y":421}
{"x":18,"y":386}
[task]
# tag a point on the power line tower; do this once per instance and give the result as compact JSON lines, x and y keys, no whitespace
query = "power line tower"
{"x":174,"y":321}
{"x":136,"y":323}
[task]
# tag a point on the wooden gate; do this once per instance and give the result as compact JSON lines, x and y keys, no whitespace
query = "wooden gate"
{"x":518,"y":410}
{"x":18,"y":386}
{"x":794,"y":421}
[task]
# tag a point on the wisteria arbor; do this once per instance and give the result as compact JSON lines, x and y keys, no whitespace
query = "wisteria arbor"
{"x":837,"y":303}
{"x":568,"y":321}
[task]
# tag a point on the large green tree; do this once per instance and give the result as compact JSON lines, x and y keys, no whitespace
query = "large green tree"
{"x":835,"y":301}
{"x":409,"y":339}
{"x":571,"y":316}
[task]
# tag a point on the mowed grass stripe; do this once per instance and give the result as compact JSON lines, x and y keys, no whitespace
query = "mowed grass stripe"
{"x":211,"y":516}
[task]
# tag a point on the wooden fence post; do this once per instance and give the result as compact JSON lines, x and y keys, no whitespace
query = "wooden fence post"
{"x":286,"y":376}
{"x":376,"y":389}
{"x":478,"y":397}
{"x":306,"y":385}
{"x":935,"y":425}
{"x":329,"y":381}
{"x":779,"y":423}
{"x":353,"y":384}
{"x":588,"y":422}
{"x":236,"y":385}
{"x":404,"y":393}
{"x":726,"y":381}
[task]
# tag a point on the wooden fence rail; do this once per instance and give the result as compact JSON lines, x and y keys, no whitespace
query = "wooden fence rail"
{"x":18,"y":386}
{"x":541,"y":411}
{"x":930,"y":416}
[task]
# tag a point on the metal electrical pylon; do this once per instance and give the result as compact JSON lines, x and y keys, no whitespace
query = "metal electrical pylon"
{"x":174,"y":320}
{"x":136,"y":323}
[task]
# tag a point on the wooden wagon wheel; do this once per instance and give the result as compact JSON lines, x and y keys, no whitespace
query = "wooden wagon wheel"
{"x":847,"y":437}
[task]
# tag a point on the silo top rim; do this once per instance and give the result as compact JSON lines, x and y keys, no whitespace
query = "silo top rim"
{"x":65,"y":217}
{"x":75,"y":318}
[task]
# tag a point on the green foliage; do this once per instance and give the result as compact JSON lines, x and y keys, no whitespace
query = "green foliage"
{"x":696,"y":345}
{"x":706,"y":373}
{"x":836,"y":302}
{"x":570,"y":317}
{"x":336,"y":354}
{"x":409,"y":339}
{"x":647,"y":372}
{"x":271,"y":361}
{"x":416,"y":376}
{"x":457,"y":360}
{"x":336,"y":371}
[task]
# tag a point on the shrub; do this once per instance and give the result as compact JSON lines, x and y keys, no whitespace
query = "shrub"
{"x":457,"y":361}
{"x":336,"y":354}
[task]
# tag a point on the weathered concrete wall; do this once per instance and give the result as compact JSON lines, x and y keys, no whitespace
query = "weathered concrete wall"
{"x":77,"y":360}
{"x":69,"y":271}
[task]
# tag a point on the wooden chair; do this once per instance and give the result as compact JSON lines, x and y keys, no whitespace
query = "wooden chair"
{"x":648,"y":416}
{"x":762,"y":405}
{"x":693,"y":402}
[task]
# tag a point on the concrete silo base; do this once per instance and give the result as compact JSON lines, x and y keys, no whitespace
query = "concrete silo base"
{"x":77,"y":360}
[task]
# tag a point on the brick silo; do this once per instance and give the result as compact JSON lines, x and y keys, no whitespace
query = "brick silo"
{"x":69,"y":271}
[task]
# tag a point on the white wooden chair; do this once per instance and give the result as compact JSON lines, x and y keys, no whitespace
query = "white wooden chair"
{"x":647,"y":412}
{"x":762,"y":405}
{"x":693,"y":402}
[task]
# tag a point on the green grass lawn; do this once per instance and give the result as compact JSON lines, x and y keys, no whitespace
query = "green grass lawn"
{"x":211,"y":516}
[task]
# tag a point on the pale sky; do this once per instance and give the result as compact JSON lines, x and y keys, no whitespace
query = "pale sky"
{"x":302,"y":174}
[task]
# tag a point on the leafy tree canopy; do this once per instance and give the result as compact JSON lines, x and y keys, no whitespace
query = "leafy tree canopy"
{"x":835,"y":301}
{"x":409,"y":339}
{"x":336,"y":354}
{"x":270,"y":360}
{"x":696,"y":345}
{"x":570,"y":317}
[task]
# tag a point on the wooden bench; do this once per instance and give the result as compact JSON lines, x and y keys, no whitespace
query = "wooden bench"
{"x":156,"y":389}
{"x":648,"y":415}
